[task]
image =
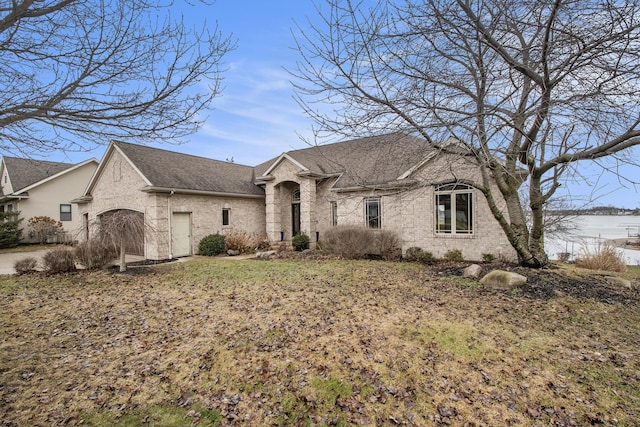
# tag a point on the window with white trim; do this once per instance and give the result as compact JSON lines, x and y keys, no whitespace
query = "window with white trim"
{"x":65,"y":212}
{"x":373,"y":212}
{"x":454,"y":209}
{"x":334,"y":213}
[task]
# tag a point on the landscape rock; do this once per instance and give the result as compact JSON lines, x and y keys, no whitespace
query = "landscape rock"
{"x":233,"y":252}
{"x":473,"y":271}
{"x":265,"y":255}
{"x":503,"y":280}
{"x":615,"y":280}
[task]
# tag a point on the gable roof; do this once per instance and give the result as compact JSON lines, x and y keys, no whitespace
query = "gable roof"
{"x":24,"y":173}
{"x":369,"y":161}
{"x":167,"y":170}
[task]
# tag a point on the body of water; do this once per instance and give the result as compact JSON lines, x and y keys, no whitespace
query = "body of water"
{"x":588,"y":231}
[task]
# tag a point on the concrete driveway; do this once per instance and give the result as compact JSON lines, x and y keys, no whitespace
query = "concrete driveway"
{"x":8,"y":259}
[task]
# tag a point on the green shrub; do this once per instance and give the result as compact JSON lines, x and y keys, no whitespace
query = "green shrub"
{"x":212,"y":245}
{"x":416,"y":254}
{"x":349,"y":242}
{"x":95,"y":254}
{"x":488,"y":257}
{"x":59,"y":260}
{"x":25,"y":265}
{"x":10,"y":231}
{"x":454,"y":255}
{"x":300,"y":242}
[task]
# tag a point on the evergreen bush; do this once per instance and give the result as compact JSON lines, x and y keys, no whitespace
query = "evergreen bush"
{"x":10,"y":232}
{"x":454,"y":255}
{"x":300,"y":242}
{"x":212,"y":245}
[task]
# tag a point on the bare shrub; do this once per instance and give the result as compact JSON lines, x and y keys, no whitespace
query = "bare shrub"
{"x":95,"y":254}
{"x":387,"y":244}
{"x":349,"y":242}
{"x":260,"y":242}
{"x":25,"y":265}
{"x":605,"y":256}
{"x":59,"y":260}
{"x":44,"y":227}
{"x":238,"y":240}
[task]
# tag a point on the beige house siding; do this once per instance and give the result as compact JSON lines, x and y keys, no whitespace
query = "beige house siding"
{"x":247,"y":215}
{"x":411,"y":213}
{"x":45,"y":199}
{"x":119,"y":187}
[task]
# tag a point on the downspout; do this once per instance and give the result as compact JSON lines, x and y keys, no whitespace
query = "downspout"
{"x":170,"y":225}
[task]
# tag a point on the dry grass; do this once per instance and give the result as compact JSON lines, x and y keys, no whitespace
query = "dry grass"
{"x":604,"y":256}
{"x":218,"y":342}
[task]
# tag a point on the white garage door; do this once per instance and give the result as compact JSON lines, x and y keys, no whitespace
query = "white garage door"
{"x":181,"y":234}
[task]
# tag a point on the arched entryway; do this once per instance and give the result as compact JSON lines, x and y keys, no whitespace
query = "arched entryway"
{"x":127,"y":224}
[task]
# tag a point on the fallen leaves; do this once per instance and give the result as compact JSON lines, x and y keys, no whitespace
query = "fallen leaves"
{"x":297,"y":343}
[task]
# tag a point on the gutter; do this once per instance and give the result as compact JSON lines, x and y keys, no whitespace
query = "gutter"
{"x":171,"y":191}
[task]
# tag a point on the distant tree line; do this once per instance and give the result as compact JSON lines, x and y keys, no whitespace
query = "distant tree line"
{"x":596,"y":210}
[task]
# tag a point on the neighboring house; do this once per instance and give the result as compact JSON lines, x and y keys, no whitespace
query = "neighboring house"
{"x":389,"y":182}
{"x":43,"y":188}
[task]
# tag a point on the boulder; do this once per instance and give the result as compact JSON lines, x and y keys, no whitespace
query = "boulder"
{"x":265,"y":255}
{"x":472,"y":272}
{"x":615,"y":280}
{"x":504,"y":280}
{"x":233,"y":252}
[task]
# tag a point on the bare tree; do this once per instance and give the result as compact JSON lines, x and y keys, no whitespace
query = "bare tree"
{"x":530,"y":88}
{"x":122,"y":229}
{"x":76,"y":73}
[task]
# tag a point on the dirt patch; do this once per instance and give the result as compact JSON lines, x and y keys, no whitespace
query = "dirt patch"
{"x":551,"y":283}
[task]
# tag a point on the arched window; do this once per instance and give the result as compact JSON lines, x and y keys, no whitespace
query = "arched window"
{"x":454,"y":209}
{"x":295,"y":196}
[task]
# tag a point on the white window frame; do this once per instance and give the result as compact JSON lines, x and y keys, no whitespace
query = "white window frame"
{"x":367,"y":214}
{"x":447,"y":220}
{"x":333,"y":209}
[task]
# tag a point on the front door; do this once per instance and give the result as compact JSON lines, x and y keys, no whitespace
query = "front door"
{"x":295,"y":219}
{"x":181,"y":234}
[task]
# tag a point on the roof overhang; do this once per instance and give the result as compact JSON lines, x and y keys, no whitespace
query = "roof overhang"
{"x":387,"y":186}
{"x":284,"y":156}
{"x":82,"y":199}
{"x":14,"y":197}
{"x":169,"y":191}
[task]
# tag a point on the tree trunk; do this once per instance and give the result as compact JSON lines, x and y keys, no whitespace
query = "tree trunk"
{"x":536,"y":235}
{"x":123,"y":253}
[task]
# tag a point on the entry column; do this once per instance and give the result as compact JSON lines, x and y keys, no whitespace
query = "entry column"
{"x":308,"y":220}
{"x":272,"y":207}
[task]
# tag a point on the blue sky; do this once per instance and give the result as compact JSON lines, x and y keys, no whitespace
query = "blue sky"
{"x":256,"y":118}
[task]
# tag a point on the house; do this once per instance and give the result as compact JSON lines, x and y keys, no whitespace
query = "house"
{"x":43,"y":188}
{"x":392,"y":182}
{"x":182,"y":198}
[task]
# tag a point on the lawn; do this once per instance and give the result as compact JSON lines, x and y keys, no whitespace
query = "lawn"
{"x":225,"y":342}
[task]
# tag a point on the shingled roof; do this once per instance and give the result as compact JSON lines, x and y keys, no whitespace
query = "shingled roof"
{"x":370,"y":161}
{"x":26,"y":172}
{"x":170,"y":170}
